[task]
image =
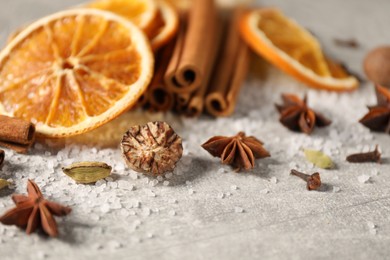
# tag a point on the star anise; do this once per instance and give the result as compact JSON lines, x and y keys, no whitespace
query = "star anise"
{"x":33,"y":210}
{"x":240,"y":151}
{"x":378,"y":117}
{"x":297,"y":116}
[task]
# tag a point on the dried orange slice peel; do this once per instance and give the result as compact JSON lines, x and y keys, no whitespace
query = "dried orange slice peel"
{"x":169,"y":27}
{"x":74,"y":71}
{"x":294,"y":50}
{"x":142,"y":12}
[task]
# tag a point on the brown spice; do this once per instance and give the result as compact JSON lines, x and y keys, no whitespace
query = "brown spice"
{"x":230,"y":71}
{"x":313,"y":181}
{"x":377,"y":66}
{"x":33,"y":210}
{"x":16,"y":134}
{"x":378,"y":117}
{"x":297,"y":116}
{"x":153,"y":149}
{"x":188,"y":69}
{"x":374,"y":156}
{"x":349,"y":43}
{"x":240,"y":151}
{"x":2,"y":155}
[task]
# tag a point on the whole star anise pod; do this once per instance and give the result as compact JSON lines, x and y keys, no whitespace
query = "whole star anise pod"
{"x":240,"y":151}
{"x":33,"y":210}
{"x":378,"y":117}
{"x":297,"y":116}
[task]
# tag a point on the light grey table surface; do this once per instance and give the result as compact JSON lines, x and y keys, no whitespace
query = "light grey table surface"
{"x":188,"y":219}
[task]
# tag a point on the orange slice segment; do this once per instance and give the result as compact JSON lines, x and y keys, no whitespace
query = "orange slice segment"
{"x":74,"y":71}
{"x":169,"y":24}
{"x":293,"y":49}
{"x":142,"y":12}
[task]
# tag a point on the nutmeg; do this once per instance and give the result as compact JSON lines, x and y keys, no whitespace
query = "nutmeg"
{"x":377,"y":66}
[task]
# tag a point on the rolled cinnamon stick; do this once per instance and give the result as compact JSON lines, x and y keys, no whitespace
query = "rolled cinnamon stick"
{"x":16,"y":134}
{"x":192,"y":63}
{"x":230,"y":71}
{"x":2,"y":155}
{"x":160,"y":97}
{"x":196,"y":103}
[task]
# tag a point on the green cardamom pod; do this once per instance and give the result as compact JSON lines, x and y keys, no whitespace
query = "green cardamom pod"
{"x":87,"y":172}
{"x":3,"y":183}
{"x":319,"y":159}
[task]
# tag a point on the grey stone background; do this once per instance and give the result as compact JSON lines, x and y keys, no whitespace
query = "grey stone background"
{"x":188,"y":219}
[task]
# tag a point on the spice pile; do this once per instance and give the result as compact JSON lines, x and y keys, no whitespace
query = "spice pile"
{"x":200,"y":66}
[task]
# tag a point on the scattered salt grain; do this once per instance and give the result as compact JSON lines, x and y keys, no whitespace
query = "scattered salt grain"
{"x":374,"y":172}
{"x":105,"y":208}
{"x":166,"y":183}
{"x":228,"y":194}
{"x":172,"y":213}
{"x":173,"y":201}
{"x":133,"y":175}
{"x":370,"y":225}
{"x":191,"y":191}
{"x":238,"y":210}
{"x":169,"y":175}
{"x":114,"y":244}
{"x":42,"y":255}
{"x":109,"y":179}
{"x":153,"y":183}
{"x":160,"y":178}
{"x":188,"y":183}
{"x":150,"y":193}
{"x":273,"y":180}
{"x":264,"y":191}
{"x":221,"y":170}
{"x":234,"y":187}
{"x":221,"y":195}
{"x":150,"y":235}
{"x":146,"y":211}
{"x":336,"y":189}
{"x":97,"y":246}
{"x":364,"y":178}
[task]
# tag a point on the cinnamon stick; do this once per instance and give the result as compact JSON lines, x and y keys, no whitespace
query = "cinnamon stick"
{"x":16,"y":134}
{"x":159,"y":96}
{"x":188,"y":70}
{"x":2,"y":155}
{"x":230,"y":71}
{"x":196,"y":103}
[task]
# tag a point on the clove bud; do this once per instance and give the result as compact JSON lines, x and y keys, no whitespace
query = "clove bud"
{"x":313,"y":181}
{"x":374,"y":156}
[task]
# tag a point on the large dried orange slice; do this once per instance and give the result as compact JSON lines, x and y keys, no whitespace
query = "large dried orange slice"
{"x":142,"y":12}
{"x":294,"y":50}
{"x":169,"y":24}
{"x":74,"y":71}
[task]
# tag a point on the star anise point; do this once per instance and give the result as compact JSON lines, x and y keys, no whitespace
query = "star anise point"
{"x":239,"y":151}
{"x":34,"y":210}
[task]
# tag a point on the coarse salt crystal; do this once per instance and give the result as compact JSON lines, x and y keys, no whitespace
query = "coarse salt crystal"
{"x":336,"y":189}
{"x":238,"y":210}
{"x":169,"y":175}
{"x":166,"y":183}
{"x":234,"y":187}
{"x":364,"y":178}
{"x":172,"y":213}
{"x":274,"y":180}
{"x":191,"y":191}
{"x":105,"y":208}
{"x":264,"y":191}
{"x":221,"y":195}
{"x":133,"y":175}
{"x":188,"y":183}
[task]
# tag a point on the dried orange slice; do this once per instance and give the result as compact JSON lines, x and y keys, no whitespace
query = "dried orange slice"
{"x":142,"y":12}
{"x":293,"y":49}
{"x":169,"y":25}
{"x":74,"y":71}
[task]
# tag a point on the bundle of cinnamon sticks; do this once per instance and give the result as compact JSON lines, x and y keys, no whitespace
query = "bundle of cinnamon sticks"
{"x":203,"y":69}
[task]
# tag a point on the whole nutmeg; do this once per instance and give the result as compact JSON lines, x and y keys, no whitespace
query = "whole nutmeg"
{"x":377,"y":66}
{"x":152,"y":149}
